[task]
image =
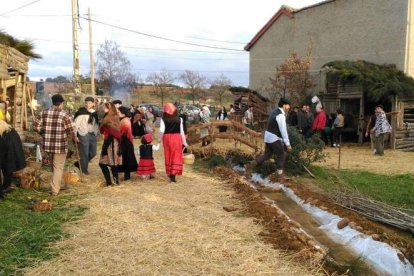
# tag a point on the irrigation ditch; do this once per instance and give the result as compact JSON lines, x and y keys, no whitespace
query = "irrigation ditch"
{"x":319,"y":231}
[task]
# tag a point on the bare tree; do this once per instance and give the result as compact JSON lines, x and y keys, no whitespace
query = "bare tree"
{"x":220,"y":86}
{"x":162,"y":81}
{"x":113,"y":67}
{"x":194,"y":81}
{"x":292,"y":78}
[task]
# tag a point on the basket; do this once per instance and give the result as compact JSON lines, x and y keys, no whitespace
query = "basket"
{"x":33,"y":163}
{"x":188,"y":158}
{"x":42,"y":206}
{"x":70,"y":177}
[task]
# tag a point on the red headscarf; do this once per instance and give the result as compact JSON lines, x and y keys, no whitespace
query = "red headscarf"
{"x":148,"y":138}
{"x":169,"y":108}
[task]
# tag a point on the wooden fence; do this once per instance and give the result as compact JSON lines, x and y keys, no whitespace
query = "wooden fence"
{"x":236,"y":132}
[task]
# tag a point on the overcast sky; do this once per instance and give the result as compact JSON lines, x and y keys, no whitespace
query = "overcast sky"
{"x":228,"y":24}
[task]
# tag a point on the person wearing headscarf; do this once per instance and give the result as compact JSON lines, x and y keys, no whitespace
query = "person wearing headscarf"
{"x":381,"y":127}
{"x":129,"y":161}
{"x":146,"y":167}
{"x":111,"y":157}
{"x":173,"y":138}
{"x":86,"y":122}
{"x":205,"y":119}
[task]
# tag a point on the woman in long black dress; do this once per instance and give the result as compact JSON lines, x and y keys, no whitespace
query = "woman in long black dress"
{"x":129,"y":161}
{"x":138,"y":126}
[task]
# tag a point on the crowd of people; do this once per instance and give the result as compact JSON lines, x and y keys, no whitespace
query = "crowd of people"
{"x":330,"y":126}
{"x":118,"y":126}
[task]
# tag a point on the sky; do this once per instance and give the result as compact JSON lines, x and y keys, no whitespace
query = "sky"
{"x":223,"y":26}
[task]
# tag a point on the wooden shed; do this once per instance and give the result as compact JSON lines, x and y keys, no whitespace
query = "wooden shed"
{"x":245,"y":97}
{"x":13,"y":85}
{"x":348,"y":97}
{"x":403,"y":125}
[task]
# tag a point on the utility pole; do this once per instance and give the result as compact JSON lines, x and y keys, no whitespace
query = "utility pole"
{"x":76,"y":70}
{"x":91,"y":59}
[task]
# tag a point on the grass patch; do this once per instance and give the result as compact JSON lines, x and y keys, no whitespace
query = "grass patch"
{"x":201,"y":166}
{"x":25,"y":235}
{"x":396,"y":190}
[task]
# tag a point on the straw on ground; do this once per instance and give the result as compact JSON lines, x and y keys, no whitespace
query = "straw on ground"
{"x":157,"y":228}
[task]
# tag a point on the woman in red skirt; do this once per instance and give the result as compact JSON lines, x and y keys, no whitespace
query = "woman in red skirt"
{"x":146,"y":166}
{"x":173,"y":138}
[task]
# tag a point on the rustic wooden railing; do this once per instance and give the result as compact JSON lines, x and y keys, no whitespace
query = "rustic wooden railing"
{"x":235,"y":131}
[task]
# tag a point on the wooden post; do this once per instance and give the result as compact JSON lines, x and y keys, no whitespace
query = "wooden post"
{"x":14,"y":100}
{"x":339,"y":152}
{"x":393,"y":121}
{"x":361,"y":120}
{"x":24,"y":108}
{"x":3,"y":89}
{"x":91,"y":59}
{"x":30,"y":105}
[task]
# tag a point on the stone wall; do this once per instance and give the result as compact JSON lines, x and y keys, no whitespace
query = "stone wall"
{"x":371,"y":30}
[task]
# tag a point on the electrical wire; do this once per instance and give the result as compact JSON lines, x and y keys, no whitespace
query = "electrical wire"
{"x":260,"y":59}
{"x":215,"y":40}
{"x":19,"y":8}
{"x":142,"y":48}
{"x":160,"y":37}
{"x":38,"y":15}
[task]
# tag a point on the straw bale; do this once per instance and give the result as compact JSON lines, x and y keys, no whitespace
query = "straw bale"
{"x":157,"y":228}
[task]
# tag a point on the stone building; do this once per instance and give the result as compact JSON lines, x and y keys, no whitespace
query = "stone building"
{"x":378,"y":31}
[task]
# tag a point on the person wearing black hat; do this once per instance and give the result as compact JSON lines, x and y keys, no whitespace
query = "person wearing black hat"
{"x":381,"y":128}
{"x":276,"y":139}
{"x":55,"y":126}
{"x":87,"y":126}
{"x":117,"y":104}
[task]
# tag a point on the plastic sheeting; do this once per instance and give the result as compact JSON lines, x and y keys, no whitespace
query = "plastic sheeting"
{"x":380,"y":256}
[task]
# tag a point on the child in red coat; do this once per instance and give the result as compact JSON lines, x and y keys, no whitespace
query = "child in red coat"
{"x":146,"y":168}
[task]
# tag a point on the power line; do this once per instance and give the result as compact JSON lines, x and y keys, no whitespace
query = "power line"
{"x":160,"y":37}
{"x":145,"y":48}
{"x":200,"y":71}
{"x":215,"y":40}
{"x":260,"y":59}
{"x":193,"y":37}
{"x":19,"y":8}
{"x":38,"y":15}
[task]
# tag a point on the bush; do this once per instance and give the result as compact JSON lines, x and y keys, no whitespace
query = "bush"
{"x":237,"y":157}
{"x":266,"y":169}
{"x":303,"y":153}
{"x":217,"y":160}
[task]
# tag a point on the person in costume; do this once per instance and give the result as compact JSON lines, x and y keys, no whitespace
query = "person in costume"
{"x":129,"y":162}
{"x":173,"y":138}
{"x":111,"y":157}
{"x":146,"y":167}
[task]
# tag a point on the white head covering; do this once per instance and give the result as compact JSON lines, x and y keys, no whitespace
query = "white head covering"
{"x":206,"y":110}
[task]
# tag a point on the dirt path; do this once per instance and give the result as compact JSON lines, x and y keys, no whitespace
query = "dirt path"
{"x":157,"y":228}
